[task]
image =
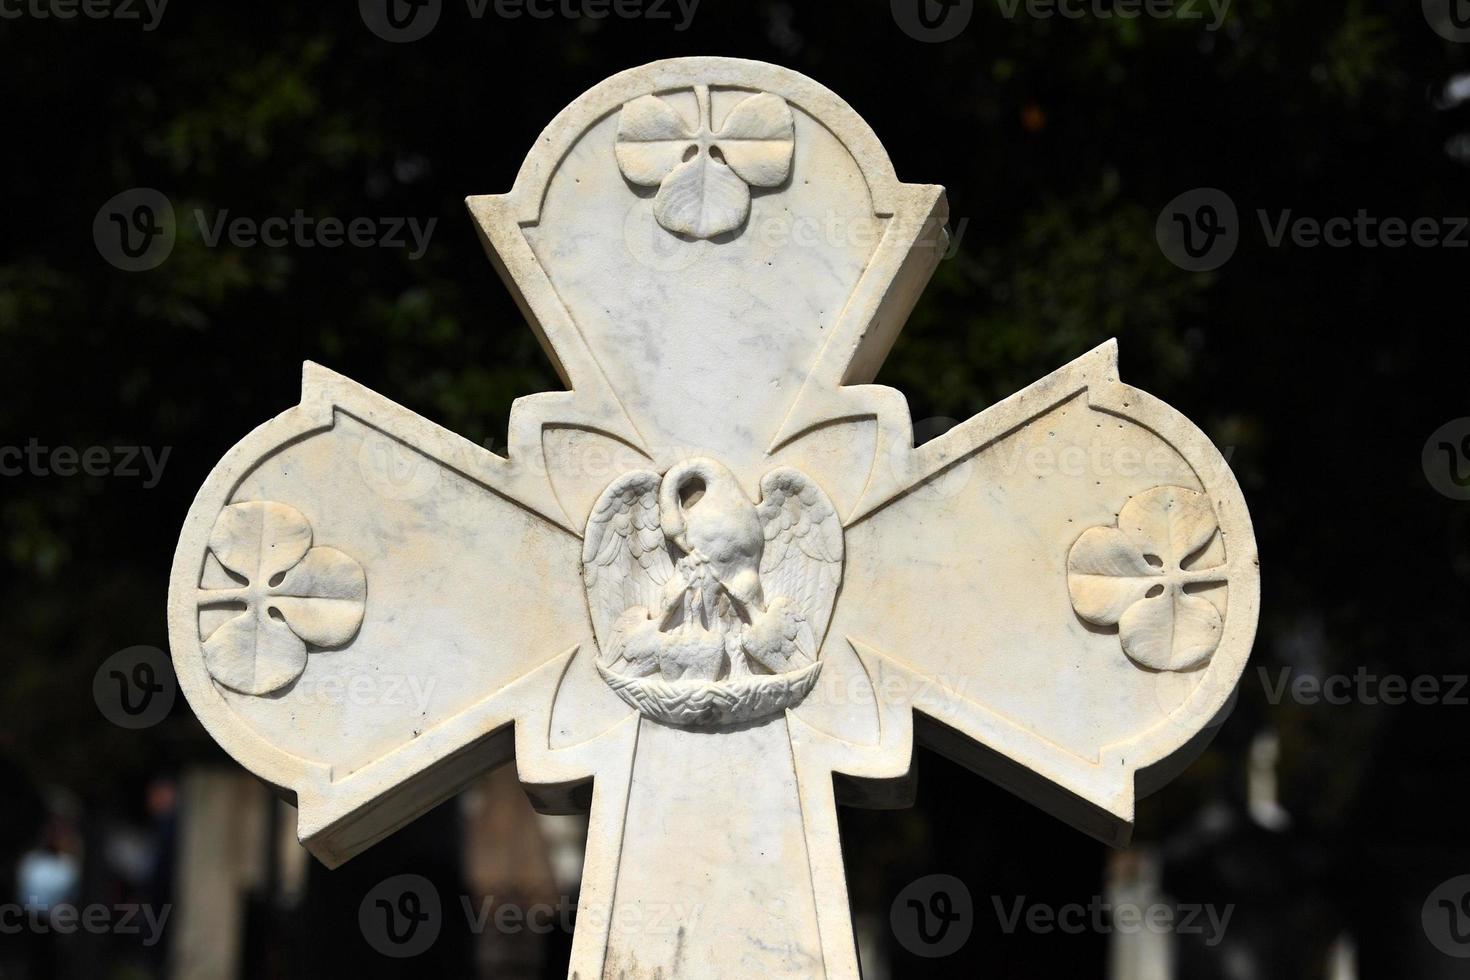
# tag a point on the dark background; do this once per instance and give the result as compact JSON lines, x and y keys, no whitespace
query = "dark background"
{"x":1320,"y":371}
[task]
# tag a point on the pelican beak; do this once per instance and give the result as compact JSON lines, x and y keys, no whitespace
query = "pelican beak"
{"x":678,"y":482}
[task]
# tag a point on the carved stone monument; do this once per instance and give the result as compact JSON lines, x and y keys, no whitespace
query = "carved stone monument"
{"x":713,"y":589}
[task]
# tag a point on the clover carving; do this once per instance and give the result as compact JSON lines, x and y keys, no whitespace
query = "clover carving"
{"x":1133,"y":576}
{"x":291,"y":594}
{"x":704,"y":176}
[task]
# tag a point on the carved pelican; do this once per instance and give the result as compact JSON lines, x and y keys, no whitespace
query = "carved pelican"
{"x":754,"y":582}
{"x":706,"y":514}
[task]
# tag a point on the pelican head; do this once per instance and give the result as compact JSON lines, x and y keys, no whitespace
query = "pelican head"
{"x":704,"y":511}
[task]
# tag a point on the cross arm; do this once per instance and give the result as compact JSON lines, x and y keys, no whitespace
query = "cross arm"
{"x":368,"y":611}
{"x":1076,"y":683}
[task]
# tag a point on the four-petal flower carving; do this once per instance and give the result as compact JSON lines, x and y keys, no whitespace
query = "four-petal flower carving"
{"x":1132,"y":576}
{"x":292,"y":593}
{"x":704,"y":177}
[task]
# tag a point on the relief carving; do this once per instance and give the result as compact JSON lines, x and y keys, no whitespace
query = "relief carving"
{"x":1136,"y":576}
{"x":704,"y":176}
{"x":289,"y":594}
{"x":709,"y":608}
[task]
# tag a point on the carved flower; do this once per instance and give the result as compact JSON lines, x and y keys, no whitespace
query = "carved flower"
{"x":291,"y":594}
{"x":704,"y":177}
{"x":1132,"y":576}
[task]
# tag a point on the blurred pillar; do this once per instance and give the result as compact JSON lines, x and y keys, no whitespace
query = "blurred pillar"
{"x":1141,"y":954}
{"x":1263,"y":799}
{"x":1342,"y":961}
{"x":222,"y":856}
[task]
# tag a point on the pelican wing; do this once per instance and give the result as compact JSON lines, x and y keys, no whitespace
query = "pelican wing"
{"x":802,"y":557}
{"x":625,"y":559}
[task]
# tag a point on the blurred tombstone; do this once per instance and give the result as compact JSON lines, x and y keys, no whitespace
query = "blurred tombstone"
{"x":640,"y":601}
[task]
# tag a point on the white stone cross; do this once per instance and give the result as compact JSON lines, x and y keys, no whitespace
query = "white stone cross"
{"x":715,"y":573}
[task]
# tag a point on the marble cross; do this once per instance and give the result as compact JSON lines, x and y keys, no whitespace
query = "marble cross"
{"x":713,"y":589}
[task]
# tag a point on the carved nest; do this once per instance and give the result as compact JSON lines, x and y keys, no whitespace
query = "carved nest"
{"x":725,"y":702}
